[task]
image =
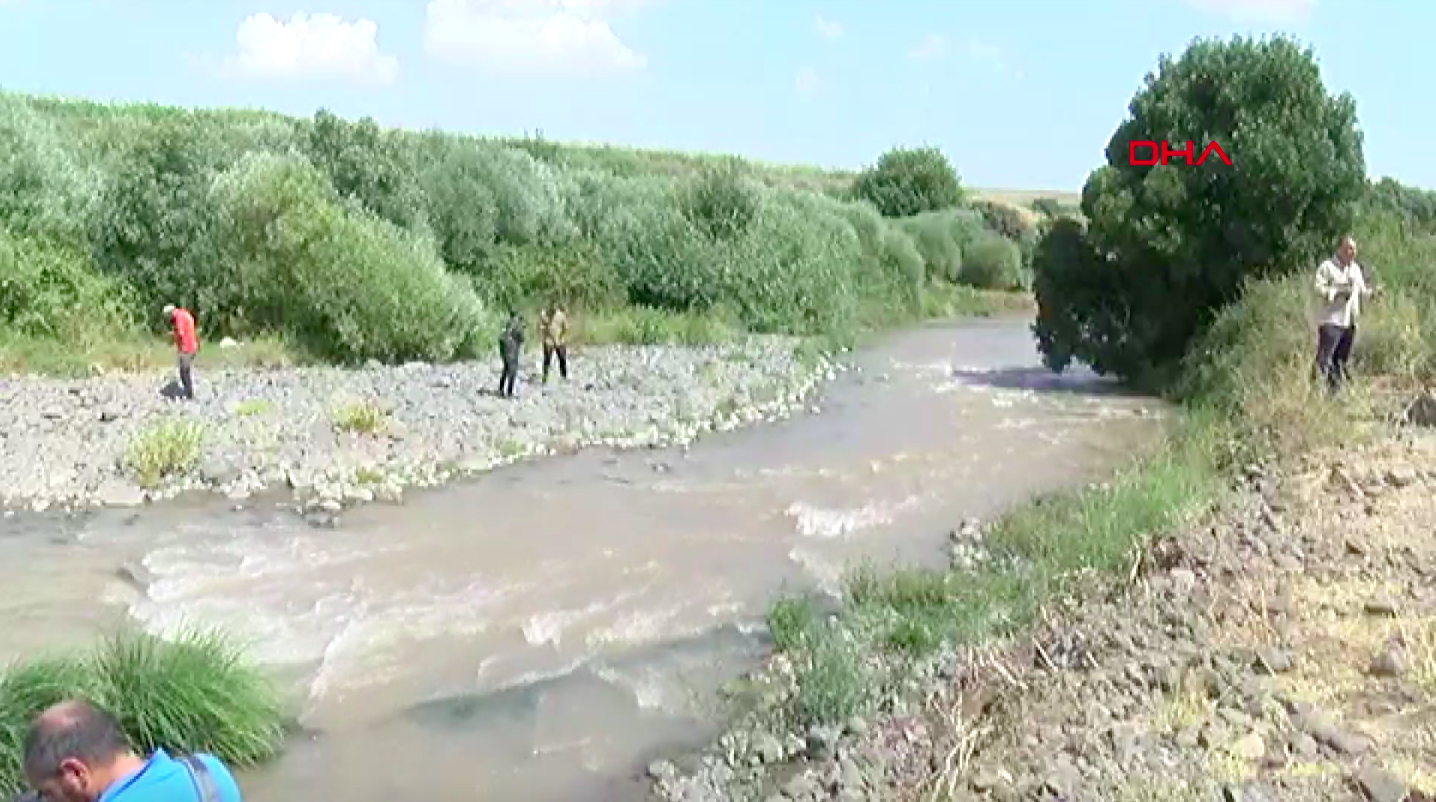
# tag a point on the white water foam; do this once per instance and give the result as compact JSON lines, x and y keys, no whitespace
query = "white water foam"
{"x":820,"y":522}
{"x":548,"y":627}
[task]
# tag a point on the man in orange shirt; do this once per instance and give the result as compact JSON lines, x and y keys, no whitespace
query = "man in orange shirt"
{"x":186,"y":342}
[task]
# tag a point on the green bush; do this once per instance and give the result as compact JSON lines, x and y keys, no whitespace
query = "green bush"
{"x":43,"y":191}
{"x":1175,"y":243}
{"x":348,"y":285}
{"x":366,"y":164}
{"x":909,"y":181}
{"x":993,"y":262}
{"x":50,"y":290}
{"x":722,"y":201}
{"x":460,"y":205}
{"x":935,"y":237}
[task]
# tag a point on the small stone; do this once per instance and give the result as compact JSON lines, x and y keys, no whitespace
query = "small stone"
{"x":1304,"y":746}
{"x":822,"y":742}
{"x":802,"y":787}
{"x":331,"y":505}
{"x":1379,"y":785}
{"x":660,"y":769}
{"x":767,"y":748}
{"x":850,"y":776}
{"x":1381,"y":605}
{"x":1389,"y":662}
{"x":1402,"y":476}
{"x":856,"y":726}
{"x":1184,"y":581}
{"x":1249,"y":747}
{"x":1271,"y":660}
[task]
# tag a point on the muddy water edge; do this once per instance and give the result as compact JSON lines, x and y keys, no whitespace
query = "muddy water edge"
{"x":540,"y":632}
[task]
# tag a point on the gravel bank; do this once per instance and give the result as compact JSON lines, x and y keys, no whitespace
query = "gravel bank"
{"x":1282,"y":649}
{"x":340,"y":437}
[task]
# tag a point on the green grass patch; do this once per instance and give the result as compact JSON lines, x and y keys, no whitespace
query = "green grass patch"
{"x":254,"y":407}
{"x":360,"y":417}
{"x":164,"y":450}
{"x":111,"y":352}
{"x":195,"y":693}
{"x":648,"y":326}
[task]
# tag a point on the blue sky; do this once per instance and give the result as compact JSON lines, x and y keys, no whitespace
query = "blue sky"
{"x":1019,"y":94}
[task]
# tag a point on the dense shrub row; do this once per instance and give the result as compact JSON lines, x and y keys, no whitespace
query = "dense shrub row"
{"x":357,"y":242}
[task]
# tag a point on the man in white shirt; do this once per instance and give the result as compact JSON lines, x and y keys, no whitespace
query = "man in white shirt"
{"x":1341,"y":286}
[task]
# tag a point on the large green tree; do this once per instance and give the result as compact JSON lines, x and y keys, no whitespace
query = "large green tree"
{"x":1168,"y":245}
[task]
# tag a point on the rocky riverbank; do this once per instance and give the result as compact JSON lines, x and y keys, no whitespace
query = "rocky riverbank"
{"x":1283,"y":648}
{"x":340,"y":437}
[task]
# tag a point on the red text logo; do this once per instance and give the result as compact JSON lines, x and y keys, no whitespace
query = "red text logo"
{"x":1141,"y":153}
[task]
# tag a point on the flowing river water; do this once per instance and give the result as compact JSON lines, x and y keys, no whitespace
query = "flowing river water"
{"x":540,"y":632}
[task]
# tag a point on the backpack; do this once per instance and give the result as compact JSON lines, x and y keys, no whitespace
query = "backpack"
{"x":204,"y":787}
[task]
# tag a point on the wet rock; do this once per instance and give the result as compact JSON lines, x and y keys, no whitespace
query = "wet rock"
{"x":119,"y":493}
{"x":1378,"y":785}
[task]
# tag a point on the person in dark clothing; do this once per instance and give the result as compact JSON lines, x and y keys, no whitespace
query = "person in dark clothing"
{"x":511,"y":344}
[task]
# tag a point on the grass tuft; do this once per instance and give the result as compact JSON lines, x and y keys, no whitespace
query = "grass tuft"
{"x":360,"y":417}
{"x":164,"y":450}
{"x":192,"y":693}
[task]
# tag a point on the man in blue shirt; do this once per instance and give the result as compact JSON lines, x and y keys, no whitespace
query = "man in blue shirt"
{"x":76,"y":752}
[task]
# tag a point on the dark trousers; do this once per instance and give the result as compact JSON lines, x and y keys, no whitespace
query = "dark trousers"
{"x":509,"y":376}
{"x":186,"y":366}
{"x":1333,"y":351}
{"x":549,"y":351}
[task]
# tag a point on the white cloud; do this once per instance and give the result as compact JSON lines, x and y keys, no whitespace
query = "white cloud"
{"x":311,"y":45}
{"x":828,"y":29}
{"x":931,"y":46}
{"x":530,"y":35}
{"x":1259,"y":11}
{"x":984,"y":54}
{"x":989,"y":55}
{"x":807,"y":81}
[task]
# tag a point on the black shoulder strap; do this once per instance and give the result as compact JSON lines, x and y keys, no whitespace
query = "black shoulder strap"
{"x":204,"y":786}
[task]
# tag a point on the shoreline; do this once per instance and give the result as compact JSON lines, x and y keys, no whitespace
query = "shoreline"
{"x":337,"y":437}
{"x":1276,"y":642}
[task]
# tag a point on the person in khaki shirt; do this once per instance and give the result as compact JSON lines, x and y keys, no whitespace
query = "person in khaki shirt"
{"x":553,"y":326}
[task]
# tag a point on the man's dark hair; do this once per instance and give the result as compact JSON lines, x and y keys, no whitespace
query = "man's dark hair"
{"x":75,"y":729}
